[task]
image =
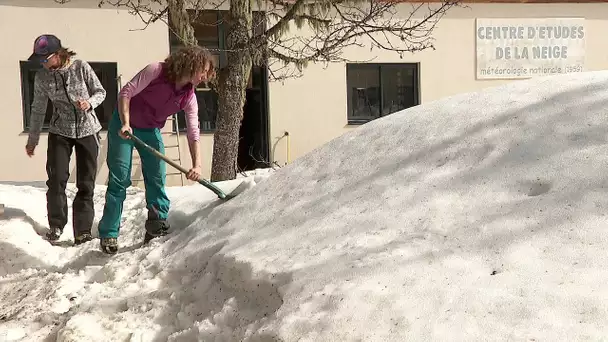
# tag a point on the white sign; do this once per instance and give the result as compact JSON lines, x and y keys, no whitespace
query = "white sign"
{"x":527,"y":47}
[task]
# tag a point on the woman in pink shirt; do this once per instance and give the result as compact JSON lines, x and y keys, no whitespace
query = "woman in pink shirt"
{"x":158,"y":91}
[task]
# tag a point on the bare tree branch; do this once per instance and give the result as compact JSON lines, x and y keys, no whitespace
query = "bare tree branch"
{"x":377,"y":21}
{"x":328,"y":27}
{"x":300,"y":32}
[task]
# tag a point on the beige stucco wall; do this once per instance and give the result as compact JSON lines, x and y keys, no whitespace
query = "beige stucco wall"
{"x":311,"y":119}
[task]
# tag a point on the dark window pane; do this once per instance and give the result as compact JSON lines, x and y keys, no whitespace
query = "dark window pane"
{"x":206,"y":30}
{"x":205,"y":24}
{"x":107,"y":74}
{"x":207,"y":111}
{"x":376,"y":90}
{"x":364,"y":92}
{"x":398,"y":88}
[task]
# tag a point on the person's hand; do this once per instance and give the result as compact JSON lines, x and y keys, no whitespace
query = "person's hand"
{"x":83,"y":105}
{"x":29,"y":150}
{"x":194,"y":174}
{"x":123,"y":130}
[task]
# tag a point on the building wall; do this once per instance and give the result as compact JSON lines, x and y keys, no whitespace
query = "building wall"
{"x":313,"y":109}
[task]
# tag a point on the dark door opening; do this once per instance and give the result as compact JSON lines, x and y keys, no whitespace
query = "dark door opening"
{"x":254,"y":148}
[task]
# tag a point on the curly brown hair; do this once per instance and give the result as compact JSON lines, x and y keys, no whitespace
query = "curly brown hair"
{"x":186,"y":61}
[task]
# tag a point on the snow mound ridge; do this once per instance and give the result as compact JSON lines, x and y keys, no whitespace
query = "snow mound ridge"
{"x":458,"y":219}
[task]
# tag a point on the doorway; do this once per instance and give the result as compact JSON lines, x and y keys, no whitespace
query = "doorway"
{"x":254,"y":147}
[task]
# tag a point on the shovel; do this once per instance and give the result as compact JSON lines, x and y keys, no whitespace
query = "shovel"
{"x":204,"y":182}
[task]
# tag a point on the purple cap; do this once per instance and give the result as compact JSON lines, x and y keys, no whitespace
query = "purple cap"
{"x":44,"y":46}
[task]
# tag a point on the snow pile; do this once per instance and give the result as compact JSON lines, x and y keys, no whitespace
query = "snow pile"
{"x":477,"y":217}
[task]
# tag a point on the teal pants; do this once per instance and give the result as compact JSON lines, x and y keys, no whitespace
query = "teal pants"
{"x":119,"y":161}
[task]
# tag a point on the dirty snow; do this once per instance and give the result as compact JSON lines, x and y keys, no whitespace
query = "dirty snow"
{"x":477,"y":217}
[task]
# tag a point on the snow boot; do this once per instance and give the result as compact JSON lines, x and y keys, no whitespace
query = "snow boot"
{"x":82,"y":238}
{"x":54,"y":234}
{"x":109,"y":245}
{"x":155,"y":227}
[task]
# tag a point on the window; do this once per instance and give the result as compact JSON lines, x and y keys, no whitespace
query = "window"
{"x":107,"y":74}
{"x":207,"y":111}
{"x":210,"y":29}
{"x":208,"y":105}
{"x":376,"y":90}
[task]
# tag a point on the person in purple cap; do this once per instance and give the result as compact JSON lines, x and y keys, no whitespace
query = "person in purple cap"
{"x":75,"y":91}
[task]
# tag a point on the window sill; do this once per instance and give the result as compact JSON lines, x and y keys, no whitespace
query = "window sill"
{"x":42,"y":131}
{"x":357,"y":122}
{"x":183,"y":131}
{"x":46,"y":130}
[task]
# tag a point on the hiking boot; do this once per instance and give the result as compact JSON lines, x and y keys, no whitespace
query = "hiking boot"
{"x":109,"y":245}
{"x":54,"y":233}
{"x":149,"y":236}
{"x":155,"y":227}
{"x":82,"y":238}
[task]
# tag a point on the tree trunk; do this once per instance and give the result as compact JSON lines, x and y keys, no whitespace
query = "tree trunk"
{"x":179,"y":21}
{"x":231,"y":91}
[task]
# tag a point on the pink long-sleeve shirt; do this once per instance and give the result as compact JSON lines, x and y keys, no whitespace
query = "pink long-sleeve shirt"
{"x":140,"y":81}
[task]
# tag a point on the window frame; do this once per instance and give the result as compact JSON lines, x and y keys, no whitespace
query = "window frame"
{"x":174,"y":44}
{"x":220,"y":45}
{"x":353,"y":67}
{"x":26,"y":67}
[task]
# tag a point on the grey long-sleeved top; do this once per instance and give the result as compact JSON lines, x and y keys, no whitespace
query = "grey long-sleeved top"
{"x":64,"y":87}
